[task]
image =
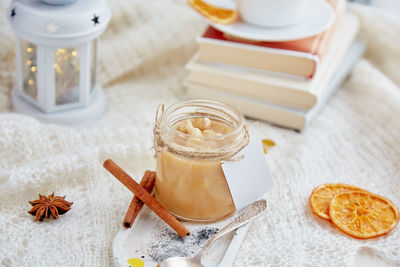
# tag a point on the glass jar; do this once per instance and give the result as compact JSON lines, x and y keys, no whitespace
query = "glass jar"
{"x":190,"y":182}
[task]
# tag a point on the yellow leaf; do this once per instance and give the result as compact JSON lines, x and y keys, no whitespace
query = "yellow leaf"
{"x":135,"y":262}
{"x":267,"y":144}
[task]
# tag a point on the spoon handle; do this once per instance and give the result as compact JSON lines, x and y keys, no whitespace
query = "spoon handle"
{"x":248,"y":214}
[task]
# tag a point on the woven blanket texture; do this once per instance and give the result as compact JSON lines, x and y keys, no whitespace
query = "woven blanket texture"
{"x":354,"y":140}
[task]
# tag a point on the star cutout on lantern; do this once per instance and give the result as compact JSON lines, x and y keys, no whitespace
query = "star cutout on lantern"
{"x":52,"y":27}
{"x":13,"y":13}
{"x":95,"y":20}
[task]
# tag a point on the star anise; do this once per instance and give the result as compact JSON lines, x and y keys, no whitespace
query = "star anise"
{"x":51,"y":205}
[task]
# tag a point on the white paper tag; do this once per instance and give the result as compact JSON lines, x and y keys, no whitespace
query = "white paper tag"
{"x":248,"y":179}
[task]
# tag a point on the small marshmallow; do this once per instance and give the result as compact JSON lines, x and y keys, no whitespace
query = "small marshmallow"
{"x":195,"y":132}
{"x":202,"y":123}
{"x":208,"y":133}
{"x":185,"y":126}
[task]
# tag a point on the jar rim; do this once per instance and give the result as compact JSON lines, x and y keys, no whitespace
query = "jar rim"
{"x":205,"y":103}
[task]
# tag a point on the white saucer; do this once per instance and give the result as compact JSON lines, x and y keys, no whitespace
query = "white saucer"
{"x":320,"y":16}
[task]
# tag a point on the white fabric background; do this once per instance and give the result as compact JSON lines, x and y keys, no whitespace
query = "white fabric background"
{"x":355,"y":139}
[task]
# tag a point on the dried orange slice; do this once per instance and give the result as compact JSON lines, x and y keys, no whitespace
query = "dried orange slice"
{"x":363,"y":215}
{"x":322,"y":195}
{"x":214,"y":13}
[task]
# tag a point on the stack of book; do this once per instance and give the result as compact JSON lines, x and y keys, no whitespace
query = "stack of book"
{"x":284,"y":83}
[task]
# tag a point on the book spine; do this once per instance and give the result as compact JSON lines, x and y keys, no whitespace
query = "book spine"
{"x":254,"y":109}
{"x":289,"y":62}
{"x":290,"y":97}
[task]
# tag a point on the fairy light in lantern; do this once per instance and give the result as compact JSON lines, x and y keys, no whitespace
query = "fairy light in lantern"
{"x":67,"y":74}
{"x":30,"y":69}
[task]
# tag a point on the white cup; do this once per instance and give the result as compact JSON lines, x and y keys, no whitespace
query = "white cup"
{"x":272,"y":13}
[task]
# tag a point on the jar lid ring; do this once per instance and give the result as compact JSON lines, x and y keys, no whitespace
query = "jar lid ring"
{"x":227,"y":155}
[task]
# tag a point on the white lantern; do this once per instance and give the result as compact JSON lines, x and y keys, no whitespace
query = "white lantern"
{"x":56,"y":59}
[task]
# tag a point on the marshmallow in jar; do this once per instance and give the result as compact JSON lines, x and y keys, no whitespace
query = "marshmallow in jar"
{"x":192,"y":140}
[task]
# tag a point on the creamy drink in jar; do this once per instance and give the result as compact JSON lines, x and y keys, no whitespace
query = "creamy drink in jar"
{"x":193,"y":139}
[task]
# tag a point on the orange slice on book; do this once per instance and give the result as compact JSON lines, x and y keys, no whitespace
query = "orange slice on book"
{"x":363,"y":214}
{"x":214,"y":13}
{"x":322,"y":195}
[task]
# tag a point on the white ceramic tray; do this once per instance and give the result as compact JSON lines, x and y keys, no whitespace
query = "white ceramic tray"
{"x":150,"y":240}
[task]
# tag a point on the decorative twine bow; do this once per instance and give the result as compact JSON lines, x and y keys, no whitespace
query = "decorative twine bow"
{"x":161,"y":145}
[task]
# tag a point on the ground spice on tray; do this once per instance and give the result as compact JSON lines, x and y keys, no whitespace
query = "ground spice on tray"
{"x":168,"y":244}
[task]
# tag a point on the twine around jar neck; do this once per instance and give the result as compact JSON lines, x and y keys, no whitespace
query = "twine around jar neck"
{"x":160,"y":145}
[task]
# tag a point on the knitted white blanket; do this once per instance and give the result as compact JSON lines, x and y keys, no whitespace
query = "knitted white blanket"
{"x":356,"y":140}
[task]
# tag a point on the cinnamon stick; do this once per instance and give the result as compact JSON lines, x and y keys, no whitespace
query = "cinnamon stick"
{"x":136,"y":205}
{"x":145,"y":197}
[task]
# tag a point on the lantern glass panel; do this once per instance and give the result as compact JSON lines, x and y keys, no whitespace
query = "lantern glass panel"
{"x":93,"y":64}
{"x":66,"y":69}
{"x":29,"y":68}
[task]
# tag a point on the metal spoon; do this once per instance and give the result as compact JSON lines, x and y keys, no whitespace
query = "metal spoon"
{"x":248,"y":214}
